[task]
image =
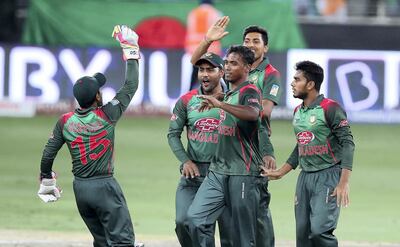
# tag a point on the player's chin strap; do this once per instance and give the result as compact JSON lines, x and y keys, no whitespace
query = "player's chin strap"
{"x":48,"y":190}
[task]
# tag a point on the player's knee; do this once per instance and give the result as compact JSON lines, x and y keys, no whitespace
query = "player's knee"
{"x":322,"y":238}
{"x":193,"y":220}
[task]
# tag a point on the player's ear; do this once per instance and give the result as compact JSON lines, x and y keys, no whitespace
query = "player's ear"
{"x":221,"y":72}
{"x":266,"y":47}
{"x":310,"y":85}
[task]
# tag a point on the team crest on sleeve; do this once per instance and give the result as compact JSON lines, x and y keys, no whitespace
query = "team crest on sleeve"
{"x":174,"y":117}
{"x":274,"y":90}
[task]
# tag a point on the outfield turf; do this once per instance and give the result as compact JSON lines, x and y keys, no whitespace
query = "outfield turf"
{"x":148,"y":174}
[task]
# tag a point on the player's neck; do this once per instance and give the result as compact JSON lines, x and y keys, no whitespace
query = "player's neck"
{"x":256,"y":63}
{"x":216,"y":90}
{"x":311,"y":97}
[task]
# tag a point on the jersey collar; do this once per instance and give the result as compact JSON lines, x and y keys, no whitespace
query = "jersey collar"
{"x":84,"y":111}
{"x":261,"y":67}
{"x":238,"y":88}
{"x":315,"y":103}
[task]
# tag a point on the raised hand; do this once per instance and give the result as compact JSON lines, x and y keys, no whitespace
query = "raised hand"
{"x":217,"y":31}
{"x":128,"y":40}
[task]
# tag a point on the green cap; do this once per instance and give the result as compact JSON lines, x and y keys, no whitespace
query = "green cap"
{"x":211,"y":58}
{"x":86,"y":88}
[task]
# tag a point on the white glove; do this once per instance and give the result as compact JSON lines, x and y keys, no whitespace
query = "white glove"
{"x":48,"y":191}
{"x":128,"y":40}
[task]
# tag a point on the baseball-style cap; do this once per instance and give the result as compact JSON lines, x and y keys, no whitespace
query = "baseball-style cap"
{"x":212,"y":58}
{"x":86,"y":88}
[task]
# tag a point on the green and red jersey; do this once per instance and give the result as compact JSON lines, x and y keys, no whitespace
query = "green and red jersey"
{"x":201,"y":128}
{"x":89,"y":133}
{"x":323,"y":136}
{"x":237,"y":151}
{"x":268,"y":80}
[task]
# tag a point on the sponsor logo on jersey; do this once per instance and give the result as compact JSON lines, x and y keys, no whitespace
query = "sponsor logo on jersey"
{"x":207,"y":124}
{"x":174,"y":117}
{"x":313,"y":119}
{"x":274,"y":90}
{"x":304,"y":137}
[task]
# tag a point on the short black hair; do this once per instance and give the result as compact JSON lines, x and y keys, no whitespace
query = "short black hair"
{"x":256,"y":29}
{"x":245,"y":52}
{"x":312,"y":72}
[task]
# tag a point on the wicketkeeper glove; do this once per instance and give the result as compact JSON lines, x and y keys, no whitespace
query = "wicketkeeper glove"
{"x":48,"y":190}
{"x":128,"y":40}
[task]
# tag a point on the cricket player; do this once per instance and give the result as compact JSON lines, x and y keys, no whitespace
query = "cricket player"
{"x":89,"y":134}
{"x":324,"y":151}
{"x":202,"y":138}
{"x":231,"y":182}
{"x":267,"y":78}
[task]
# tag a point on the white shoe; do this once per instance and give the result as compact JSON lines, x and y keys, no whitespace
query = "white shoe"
{"x":139,"y":244}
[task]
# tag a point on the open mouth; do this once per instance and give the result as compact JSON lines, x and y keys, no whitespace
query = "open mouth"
{"x":205,"y":83}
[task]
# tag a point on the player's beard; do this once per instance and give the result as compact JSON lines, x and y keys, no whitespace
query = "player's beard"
{"x":302,"y":95}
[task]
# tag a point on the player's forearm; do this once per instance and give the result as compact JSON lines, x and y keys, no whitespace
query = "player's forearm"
{"x":266,"y":147}
{"x":50,"y":151}
{"x":177,"y":148}
{"x":200,"y":50}
{"x":267,"y":108}
{"x":128,"y":90}
{"x":285,"y":169}
{"x":293,"y":159}
{"x":247,"y":113}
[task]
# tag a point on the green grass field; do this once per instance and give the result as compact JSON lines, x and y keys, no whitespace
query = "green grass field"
{"x":148,"y":174}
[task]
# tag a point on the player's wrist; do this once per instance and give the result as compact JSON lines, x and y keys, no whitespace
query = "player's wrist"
{"x":207,"y":40}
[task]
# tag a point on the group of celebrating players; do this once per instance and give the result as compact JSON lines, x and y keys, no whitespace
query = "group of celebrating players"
{"x":229,"y":158}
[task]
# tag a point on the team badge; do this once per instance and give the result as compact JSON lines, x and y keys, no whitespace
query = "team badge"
{"x":313,"y":119}
{"x":253,"y":79}
{"x":274,"y":90}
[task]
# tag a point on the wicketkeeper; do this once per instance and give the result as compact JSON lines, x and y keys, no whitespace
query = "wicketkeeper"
{"x":89,"y":135}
